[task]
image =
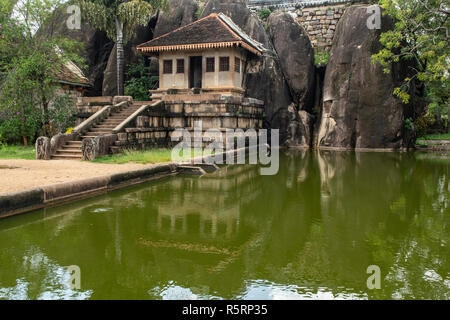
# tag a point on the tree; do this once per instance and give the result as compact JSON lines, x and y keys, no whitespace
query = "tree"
{"x":421,"y":36}
{"x":29,"y":62}
{"x":118,"y":18}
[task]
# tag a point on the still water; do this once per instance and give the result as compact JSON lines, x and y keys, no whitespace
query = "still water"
{"x":309,"y":232}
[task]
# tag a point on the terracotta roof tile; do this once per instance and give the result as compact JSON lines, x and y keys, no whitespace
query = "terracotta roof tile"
{"x":215,"y":30}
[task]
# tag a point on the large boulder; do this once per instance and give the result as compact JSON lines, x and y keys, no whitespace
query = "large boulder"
{"x":237,"y":10}
{"x":264,"y":79}
{"x":141,"y":35}
{"x":95,"y":51}
{"x":179,"y":13}
{"x":359,"y":109}
{"x":291,"y":42}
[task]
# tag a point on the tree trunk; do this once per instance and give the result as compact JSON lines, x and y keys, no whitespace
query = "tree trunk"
{"x":120,"y":57}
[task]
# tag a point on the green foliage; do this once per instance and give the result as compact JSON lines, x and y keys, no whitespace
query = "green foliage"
{"x":423,"y":123}
{"x":321,"y":56}
{"x":140,"y":81}
{"x":102,"y":14}
{"x":408,"y":124}
{"x":420,"y":36}
{"x":264,"y":14}
{"x":444,"y":136}
{"x":29,"y":62}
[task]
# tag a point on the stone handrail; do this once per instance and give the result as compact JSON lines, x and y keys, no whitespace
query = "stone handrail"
{"x":92,"y":119}
{"x":96,"y":147}
{"x":46,"y":147}
{"x":132,"y":117}
{"x":99,"y":115}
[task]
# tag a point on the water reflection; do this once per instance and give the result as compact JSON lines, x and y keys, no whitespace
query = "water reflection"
{"x":308,"y":233}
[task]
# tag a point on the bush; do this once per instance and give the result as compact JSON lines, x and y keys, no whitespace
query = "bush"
{"x":423,"y":123}
{"x":321,"y":56}
{"x":140,"y":81}
{"x":264,"y":14}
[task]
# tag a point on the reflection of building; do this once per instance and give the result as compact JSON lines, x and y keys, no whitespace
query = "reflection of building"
{"x":215,"y":214}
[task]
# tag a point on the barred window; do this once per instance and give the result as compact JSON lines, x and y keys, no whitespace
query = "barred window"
{"x":180,"y":65}
{"x":224,"y":64}
{"x":167,"y":67}
{"x":237,"y":65}
{"x":210,"y":64}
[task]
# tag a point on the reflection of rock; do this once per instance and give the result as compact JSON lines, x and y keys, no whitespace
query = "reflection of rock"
{"x":327,"y":172}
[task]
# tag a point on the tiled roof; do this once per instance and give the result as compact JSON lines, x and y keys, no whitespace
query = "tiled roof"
{"x":69,"y":73}
{"x":213,"y":31}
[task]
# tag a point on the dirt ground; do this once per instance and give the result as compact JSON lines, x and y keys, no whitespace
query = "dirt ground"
{"x":18,"y":175}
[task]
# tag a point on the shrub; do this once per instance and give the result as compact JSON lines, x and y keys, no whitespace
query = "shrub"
{"x":140,"y":80}
{"x":264,"y":14}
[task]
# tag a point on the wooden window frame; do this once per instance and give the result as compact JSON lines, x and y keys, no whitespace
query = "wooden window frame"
{"x":224,"y":64}
{"x":167,"y":69}
{"x":237,"y":65}
{"x":180,"y":65}
{"x":208,"y":65}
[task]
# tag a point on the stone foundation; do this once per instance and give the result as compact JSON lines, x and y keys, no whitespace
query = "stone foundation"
{"x":155,"y":125}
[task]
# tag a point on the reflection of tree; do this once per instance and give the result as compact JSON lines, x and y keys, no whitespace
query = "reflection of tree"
{"x":319,"y":223}
{"x":416,"y":261}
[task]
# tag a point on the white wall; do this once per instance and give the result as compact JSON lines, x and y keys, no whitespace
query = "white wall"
{"x":210,"y":80}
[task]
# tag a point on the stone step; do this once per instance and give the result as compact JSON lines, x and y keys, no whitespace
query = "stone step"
{"x":72,"y":148}
{"x":104,"y":127}
{"x":111,"y":122}
{"x":94,"y":134}
{"x":117,"y":118}
{"x":74,"y":143}
{"x":66,"y":157}
{"x":100,"y":130}
{"x":61,"y":152}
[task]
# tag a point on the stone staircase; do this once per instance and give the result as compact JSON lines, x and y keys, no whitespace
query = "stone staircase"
{"x":71,"y":150}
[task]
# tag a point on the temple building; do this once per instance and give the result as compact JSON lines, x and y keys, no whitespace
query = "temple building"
{"x":206,"y":56}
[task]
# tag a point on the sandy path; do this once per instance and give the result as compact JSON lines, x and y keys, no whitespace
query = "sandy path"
{"x":17,"y":175}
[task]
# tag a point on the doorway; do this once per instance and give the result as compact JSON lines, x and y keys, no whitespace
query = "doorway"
{"x":195,"y":72}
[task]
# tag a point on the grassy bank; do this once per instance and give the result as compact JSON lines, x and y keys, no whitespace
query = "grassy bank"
{"x":17,"y":152}
{"x":444,"y":136}
{"x":147,"y":156}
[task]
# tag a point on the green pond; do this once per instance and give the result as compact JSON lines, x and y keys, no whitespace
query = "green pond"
{"x":309,"y":232}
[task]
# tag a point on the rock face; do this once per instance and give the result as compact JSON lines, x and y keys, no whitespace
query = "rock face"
{"x":296,"y":54}
{"x":141,"y":35}
{"x":359,"y":110}
{"x":96,"y":47}
{"x":264,"y":78}
{"x":180,"y":13}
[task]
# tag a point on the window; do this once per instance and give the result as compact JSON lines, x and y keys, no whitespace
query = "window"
{"x":210,"y":64}
{"x":180,"y":65}
{"x":237,"y":65}
{"x":224,"y":64}
{"x":167,"y":67}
